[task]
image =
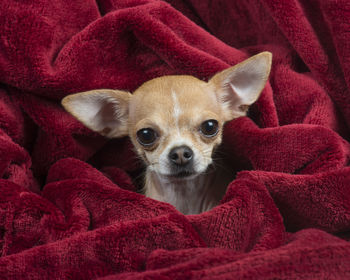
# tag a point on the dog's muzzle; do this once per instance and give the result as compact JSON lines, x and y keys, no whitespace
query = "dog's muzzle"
{"x":181,"y":161}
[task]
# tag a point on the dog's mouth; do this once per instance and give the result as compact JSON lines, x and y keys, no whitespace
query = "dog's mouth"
{"x":183,"y":174}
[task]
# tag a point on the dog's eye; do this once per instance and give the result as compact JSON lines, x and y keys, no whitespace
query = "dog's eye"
{"x":209,"y":128}
{"x":146,"y":136}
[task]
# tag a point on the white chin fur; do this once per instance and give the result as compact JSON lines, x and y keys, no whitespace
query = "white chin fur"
{"x":174,"y":179}
{"x":164,"y":170}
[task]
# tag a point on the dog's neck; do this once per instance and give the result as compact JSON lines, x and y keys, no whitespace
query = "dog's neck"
{"x":191,"y":195}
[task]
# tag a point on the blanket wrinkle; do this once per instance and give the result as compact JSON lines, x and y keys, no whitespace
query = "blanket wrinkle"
{"x":298,"y":254}
{"x":69,"y":201}
{"x":172,"y":231}
{"x":326,"y":195}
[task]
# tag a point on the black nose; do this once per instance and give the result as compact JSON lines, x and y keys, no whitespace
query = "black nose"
{"x":181,"y":155}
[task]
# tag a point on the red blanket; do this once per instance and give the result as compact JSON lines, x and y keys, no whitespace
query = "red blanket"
{"x":68,"y":207}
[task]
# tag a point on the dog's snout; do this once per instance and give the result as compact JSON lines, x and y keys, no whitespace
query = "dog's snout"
{"x":181,"y":155}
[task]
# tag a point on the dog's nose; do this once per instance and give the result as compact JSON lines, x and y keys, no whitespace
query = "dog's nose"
{"x":181,"y":155}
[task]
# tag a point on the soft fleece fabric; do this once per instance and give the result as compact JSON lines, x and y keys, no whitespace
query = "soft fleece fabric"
{"x":68,"y":207}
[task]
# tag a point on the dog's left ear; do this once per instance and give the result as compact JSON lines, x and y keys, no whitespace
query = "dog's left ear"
{"x":240,"y":86}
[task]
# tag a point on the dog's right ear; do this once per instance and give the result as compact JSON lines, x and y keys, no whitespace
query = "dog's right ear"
{"x":104,"y":111}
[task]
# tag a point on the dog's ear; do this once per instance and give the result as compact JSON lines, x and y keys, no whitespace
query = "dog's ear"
{"x":104,"y":111}
{"x":240,"y":86}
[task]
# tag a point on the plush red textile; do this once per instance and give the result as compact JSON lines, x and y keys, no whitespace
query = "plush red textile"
{"x":68,"y":207}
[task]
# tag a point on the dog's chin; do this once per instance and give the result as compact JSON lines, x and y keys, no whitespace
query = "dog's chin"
{"x":179,"y":176}
{"x":184,"y":174}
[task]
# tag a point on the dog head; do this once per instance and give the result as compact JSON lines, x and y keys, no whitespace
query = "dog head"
{"x":174,"y":122}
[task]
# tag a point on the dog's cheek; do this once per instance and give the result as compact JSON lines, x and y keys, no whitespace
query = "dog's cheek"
{"x":162,"y":161}
{"x":148,"y":157}
{"x":201,"y":157}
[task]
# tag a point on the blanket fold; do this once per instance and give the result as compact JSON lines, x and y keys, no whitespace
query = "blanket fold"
{"x":69,"y":201}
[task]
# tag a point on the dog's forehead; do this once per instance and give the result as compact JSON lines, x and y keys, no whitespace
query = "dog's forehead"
{"x":162,"y":95}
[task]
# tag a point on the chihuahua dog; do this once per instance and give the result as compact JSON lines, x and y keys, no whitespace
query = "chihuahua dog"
{"x":175,"y":124}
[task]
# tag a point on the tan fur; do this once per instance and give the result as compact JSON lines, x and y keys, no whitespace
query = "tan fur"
{"x":175,"y":107}
{"x":152,"y":106}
